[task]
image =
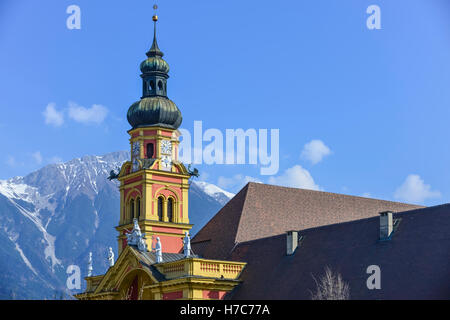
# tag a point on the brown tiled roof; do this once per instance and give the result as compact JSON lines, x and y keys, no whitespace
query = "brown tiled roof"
{"x":415,"y":263}
{"x":261,"y":210}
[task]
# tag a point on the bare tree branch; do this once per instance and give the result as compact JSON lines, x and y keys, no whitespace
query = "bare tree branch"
{"x":331,"y":287}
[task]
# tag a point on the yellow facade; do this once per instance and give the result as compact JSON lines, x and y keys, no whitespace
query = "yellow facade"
{"x":144,"y":194}
{"x":187,"y":278}
{"x":148,"y":220}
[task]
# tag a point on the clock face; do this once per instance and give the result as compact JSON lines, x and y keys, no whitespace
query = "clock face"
{"x":166,"y":147}
{"x":166,"y":162}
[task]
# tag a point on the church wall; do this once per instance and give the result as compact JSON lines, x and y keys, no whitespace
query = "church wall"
{"x":132,"y":180}
{"x":170,"y":243}
{"x":173,"y":295}
{"x":213,"y":294}
{"x":167,"y":179}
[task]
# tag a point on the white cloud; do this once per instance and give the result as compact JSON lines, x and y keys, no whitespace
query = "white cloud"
{"x":11,"y":161}
{"x":96,"y":114}
{"x":314,"y":151}
{"x":235,"y":183}
{"x":37,"y":157}
{"x":52,"y":116}
{"x":415,"y":190}
{"x":295,"y":177}
{"x":366,"y":195}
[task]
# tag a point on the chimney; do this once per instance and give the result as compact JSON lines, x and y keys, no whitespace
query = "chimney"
{"x":291,"y":241}
{"x":386,"y":225}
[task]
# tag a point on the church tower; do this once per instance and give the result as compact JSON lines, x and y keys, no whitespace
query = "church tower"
{"x":154,"y":202}
{"x":154,"y":184}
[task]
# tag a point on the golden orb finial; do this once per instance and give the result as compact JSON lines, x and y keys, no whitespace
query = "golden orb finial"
{"x":155,"y":17}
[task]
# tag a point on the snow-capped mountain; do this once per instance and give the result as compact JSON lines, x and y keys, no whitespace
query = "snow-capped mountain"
{"x":53,"y":217}
{"x":214,"y":192}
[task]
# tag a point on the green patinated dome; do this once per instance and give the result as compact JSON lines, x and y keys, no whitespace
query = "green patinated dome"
{"x":154,"y":108}
{"x":154,"y":111}
{"x":153,"y":64}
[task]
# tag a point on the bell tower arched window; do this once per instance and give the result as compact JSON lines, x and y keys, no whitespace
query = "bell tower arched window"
{"x":151,"y":86}
{"x":132,"y":209}
{"x":170,"y":209}
{"x":150,"y":150}
{"x":160,"y":208}
{"x":138,"y":208}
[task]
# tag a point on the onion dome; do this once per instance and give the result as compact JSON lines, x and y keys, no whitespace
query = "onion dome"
{"x":154,"y":111}
{"x":154,"y":64}
{"x":154,"y":108}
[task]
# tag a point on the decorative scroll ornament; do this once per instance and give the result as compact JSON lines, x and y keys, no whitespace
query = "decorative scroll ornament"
{"x":136,"y":237}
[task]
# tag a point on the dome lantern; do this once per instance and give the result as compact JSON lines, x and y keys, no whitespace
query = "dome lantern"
{"x":154,"y":108}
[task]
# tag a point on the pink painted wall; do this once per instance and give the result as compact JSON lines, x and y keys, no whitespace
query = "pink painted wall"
{"x":135,"y":179}
{"x":208,"y":294}
{"x":173,"y":295}
{"x":169,"y":244}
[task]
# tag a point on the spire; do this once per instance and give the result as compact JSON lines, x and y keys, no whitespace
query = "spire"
{"x":154,"y":50}
{"x":154,"y":108}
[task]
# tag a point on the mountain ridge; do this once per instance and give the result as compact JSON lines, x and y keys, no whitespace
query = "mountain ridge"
{"x":52,"y":217}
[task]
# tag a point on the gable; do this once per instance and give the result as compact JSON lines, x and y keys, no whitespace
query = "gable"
{"x":128,"y":262}
{"x":217,"y":237}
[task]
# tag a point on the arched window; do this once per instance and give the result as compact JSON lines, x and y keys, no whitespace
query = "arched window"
{"x":170,"y":209}
{"x":138,"y":208}
{"x":160,"y":85}
{"x":150,"y":150}
{"x":132,"y":209}
{"x":151,"y":86}
{"x":160,"y":208}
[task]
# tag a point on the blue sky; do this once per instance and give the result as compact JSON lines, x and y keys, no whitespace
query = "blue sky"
{"x":376,"y":102}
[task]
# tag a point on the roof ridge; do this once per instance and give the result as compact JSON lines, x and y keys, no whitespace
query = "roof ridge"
{"x":302,"y":208}
{"x":332,"y":193}
{"x":238,"y":229}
